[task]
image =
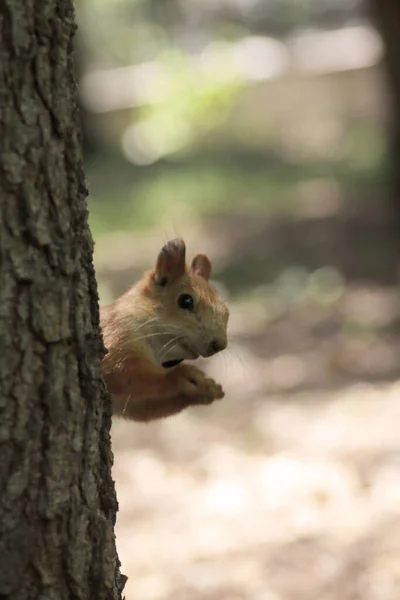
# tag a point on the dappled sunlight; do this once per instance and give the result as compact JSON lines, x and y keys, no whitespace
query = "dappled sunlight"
{"x":213,"y":505}
{"x":257,"y":132}
{"x":296,"y":465}
{"x":288,"y":487}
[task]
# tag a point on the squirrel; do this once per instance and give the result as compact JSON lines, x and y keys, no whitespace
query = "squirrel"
{"x":172,"y":314}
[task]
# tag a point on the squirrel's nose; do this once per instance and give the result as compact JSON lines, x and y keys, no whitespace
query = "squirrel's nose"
{"x":216,"y":346}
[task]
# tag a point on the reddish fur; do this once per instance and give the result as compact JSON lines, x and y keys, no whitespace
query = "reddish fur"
{"x":201,"y":266}
{"x":141,"y":388}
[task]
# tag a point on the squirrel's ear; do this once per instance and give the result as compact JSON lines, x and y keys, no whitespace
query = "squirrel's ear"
{"x":201,"y":266}
{"x":170,"y":262}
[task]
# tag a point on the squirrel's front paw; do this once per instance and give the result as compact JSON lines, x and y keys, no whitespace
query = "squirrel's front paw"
{"x":194,"y":384}
{"x":214,"y":391}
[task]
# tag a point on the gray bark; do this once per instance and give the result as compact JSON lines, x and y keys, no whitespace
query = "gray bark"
{"x":57,"y":498}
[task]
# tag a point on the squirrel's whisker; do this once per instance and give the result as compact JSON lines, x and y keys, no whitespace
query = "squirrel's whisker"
{"x":172,"y":311}
{"x":165,"y":347}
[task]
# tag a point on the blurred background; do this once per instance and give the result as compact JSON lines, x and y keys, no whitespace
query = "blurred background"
{"x":266,"y":133}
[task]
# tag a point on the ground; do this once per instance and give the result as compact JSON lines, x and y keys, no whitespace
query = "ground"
{"x":288,"y":499}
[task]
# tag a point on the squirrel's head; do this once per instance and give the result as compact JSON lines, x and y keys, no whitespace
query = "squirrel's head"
{"x":190,"y":317}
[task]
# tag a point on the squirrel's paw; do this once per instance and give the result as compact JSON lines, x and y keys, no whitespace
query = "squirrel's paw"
{"x":193,"y":383}
{"x":214,"y":392}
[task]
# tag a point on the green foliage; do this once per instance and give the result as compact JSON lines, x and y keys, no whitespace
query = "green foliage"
{"x":195,"y":103}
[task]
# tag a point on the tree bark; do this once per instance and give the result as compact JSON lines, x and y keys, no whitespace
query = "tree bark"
{"x":57,"y":498}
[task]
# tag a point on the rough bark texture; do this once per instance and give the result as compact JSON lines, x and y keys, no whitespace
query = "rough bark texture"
{"x":57,"y":499}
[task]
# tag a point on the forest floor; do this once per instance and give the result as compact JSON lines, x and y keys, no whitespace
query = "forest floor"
{"x":288,"y":488}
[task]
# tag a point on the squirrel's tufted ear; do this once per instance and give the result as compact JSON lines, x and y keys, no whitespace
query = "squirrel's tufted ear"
{"x":201,"y":266}
{"x":170,"y":262}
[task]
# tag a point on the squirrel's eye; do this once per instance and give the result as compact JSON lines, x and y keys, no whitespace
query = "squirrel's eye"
{"x":185,"y":301}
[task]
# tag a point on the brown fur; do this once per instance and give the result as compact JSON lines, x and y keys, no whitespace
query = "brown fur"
{"x":137,"y":324}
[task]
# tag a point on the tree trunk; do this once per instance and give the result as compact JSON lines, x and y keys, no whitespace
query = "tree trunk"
{"x":386,"y":14}
{"x":57,"y":499}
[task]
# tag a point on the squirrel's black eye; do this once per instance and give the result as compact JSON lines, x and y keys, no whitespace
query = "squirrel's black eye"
{"x":185,"y":301}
